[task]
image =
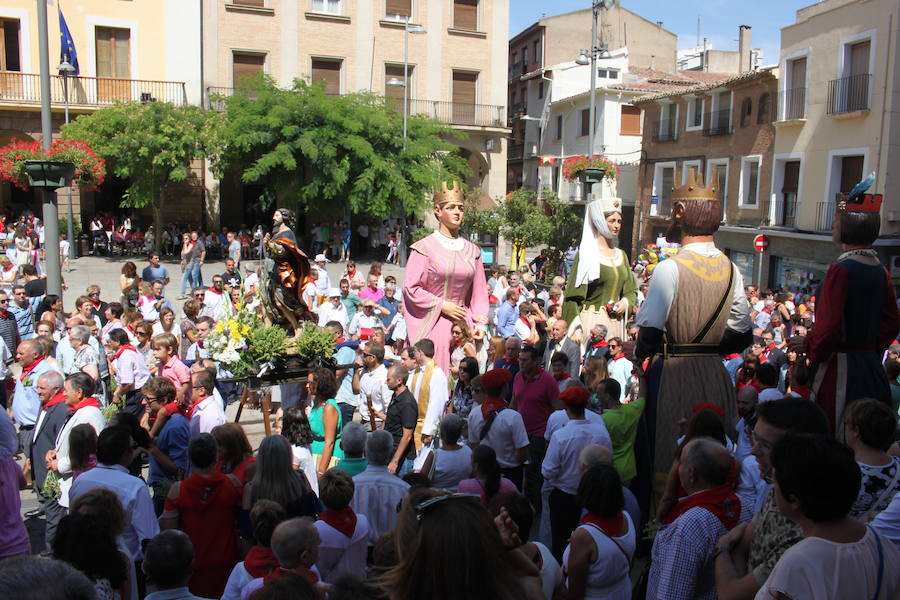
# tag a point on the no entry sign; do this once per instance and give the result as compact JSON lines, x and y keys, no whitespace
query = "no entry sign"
{"x":760,"y":243}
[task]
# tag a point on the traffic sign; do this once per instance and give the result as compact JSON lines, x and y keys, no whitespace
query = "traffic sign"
{"x":760,"y":243}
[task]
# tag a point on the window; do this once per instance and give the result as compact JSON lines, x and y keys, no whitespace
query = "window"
{"x":764,"y":108}
{"x":394,"y":93}
{"x":795,"y":92}
{"x":746,"y":112}
{"x":786,"y":209}
{"x":465,"y":16}
{"x":245,"y":66}
{"x":9,"y":40}
{"x":686,"y":167}
{"x":585,"y":122}
{"x":719,"y":168}
{"x":465,"y":92}
{"x":536,"y":52}
{"x":554,"y":184}
{"x":328,"y":71}
{"x":750,"y":182}
{"x":255,"y":3}
{"x":608,"y":73}
{"x":663,"y":182}
{"x":113,"y":52}
{"x":694,"y":114}
{"x":332,"y":7}
{"x":524,"y":94}
{"x":559,"y":127}
{"x":851,"y":172}
{"x":630,"y":122}
{"x":540,"y":89}
{"x":525,"y":55}
{"x":668,"y":122}
{"x":399,"y":10}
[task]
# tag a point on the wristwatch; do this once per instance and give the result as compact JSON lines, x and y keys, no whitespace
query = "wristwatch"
{"x":720,"y":550}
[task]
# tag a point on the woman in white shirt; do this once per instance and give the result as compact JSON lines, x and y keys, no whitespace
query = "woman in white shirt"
{"x":452,"y":462}
{"x":166,"y":324}
{"x":295,"y":427}
{"x":816,"y":483}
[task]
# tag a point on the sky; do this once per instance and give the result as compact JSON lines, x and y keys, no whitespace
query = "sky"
{"x":719,"y":19}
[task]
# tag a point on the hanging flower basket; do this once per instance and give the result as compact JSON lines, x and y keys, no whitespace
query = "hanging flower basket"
{"x":590,"y":170}
{"x":89,"y":169}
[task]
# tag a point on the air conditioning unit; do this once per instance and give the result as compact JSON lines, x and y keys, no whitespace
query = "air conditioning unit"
{"x":531,"y":150}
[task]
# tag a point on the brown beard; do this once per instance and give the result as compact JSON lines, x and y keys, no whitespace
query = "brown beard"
{"x":674,"y":232}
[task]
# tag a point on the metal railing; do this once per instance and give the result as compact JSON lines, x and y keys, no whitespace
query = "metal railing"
{"x":793,"y":104}
{"x":666,"y":131}
{"x":516,"y":70}
{"x":785,"y":214}
{"x":849,"y":94}
{"x":25,"y":88}
{"x":460,"y":113}
{"x":717,"y":122}
{"x":824,"y":216}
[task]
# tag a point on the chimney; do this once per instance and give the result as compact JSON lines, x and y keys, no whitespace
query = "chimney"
{"x":743,"y":48}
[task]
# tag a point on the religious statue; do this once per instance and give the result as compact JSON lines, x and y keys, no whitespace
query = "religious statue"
{"x":601,"y":288}
{"x":285,"y":272}
{"x":856,"y":315}
{"x":695,"y":312}
{"x":444,"y":279}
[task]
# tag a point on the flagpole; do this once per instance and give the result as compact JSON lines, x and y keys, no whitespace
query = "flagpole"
{"x":50,"y":213}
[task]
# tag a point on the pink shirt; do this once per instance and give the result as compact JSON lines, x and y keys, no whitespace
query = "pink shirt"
{"x":179,"y":374}
{"x":367,"y":293}
{"x":474,"y":486}
{"x":535,"y":398}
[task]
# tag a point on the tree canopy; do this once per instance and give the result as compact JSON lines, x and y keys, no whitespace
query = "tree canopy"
{"x":152,"y":144}
{"x":318,"y":152}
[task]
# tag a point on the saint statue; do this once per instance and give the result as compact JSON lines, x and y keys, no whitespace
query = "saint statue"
{"x":444,"y":279}
{"x":285,"y":272}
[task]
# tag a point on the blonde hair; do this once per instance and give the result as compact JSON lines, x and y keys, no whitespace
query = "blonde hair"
{"x":596,"y":371}
{"x":165,"y":340}
{"x":145,"y":288}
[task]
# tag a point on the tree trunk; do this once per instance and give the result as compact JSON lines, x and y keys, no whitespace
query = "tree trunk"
{"x":157,"y":205}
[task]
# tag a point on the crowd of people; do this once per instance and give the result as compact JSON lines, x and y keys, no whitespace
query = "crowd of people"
{"x":512,"y":470}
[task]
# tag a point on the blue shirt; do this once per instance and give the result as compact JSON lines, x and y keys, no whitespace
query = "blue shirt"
{"x":391,"y":305}
{"x":506,"y":319}
{"x":173,"y":441}
{"x":344,"y":356}
{"x":26,"y":404}
{"x":24,"y":316}
{"x":151,"y":274}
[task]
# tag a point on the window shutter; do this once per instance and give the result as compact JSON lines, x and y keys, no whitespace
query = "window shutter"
{"x":399,"y":7}
{"x":10,"y":57}
{"x":246,"y":65}
{"x":465,"y":14}
{"x":585,"y":121}
{"x":791,"y":176}
{"x":254,"y":3}
{"x":464,"y":87}
{"x":328,"y":71}
{"x":104,"y":52}
{"x":396,"y":91}
{"x":631,"y":120}
{"x":851,"y":172}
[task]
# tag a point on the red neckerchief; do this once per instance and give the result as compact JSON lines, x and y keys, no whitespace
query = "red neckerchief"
{"x":720,"y":501}
{"x":122,"y":349}
{"x":611,"y":526}
{"x":260,"y":561}
{"x":57,"y":399}
{"x":200,"y":343}
{"x":733,"y":356}
{"x":554,"y":300}
{"x":95,"y":304}
{"x":6,"y":315}
{"x":530,"y":378}
{"x":343,"y":520}
{"x":525,"y":320}
{"x":214,"y":291}
{"x":511,"y":363}
{"x":27,"y":370}
{"x":305,"y":573}
{"x":562,"y":377}
{"x":194,"y":405}
{"x":491,"y":405}
{"x":620,"y":356}
{"x":89,"y":401}
{"x":600,"y":344}
{"x":340,"y":340}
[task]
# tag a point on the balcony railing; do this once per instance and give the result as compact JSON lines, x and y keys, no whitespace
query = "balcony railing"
{"x":848,"y":94}
{"x":666,"y":131}
{"x":785,"y":214}
{"x":824,"y":216}
{"x":515,"y":151}
{"x":793,"y":104}
{"x":717,"y":122}
{"x":516,"y":70}
{"x":25,"y":88}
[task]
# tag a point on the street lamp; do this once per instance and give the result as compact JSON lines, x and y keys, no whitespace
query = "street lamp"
{"x":393,"y":81}
{"x":65,"y":69}
{"x":590,"y":57}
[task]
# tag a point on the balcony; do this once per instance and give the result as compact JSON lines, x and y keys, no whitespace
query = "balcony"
{"x":792,"y":104}
{"x":515,"y":71}
{"x":25,"y":88}
{"x":666,"y":131}
{"x":849,"y":94}
{"x":717,"y":123}
{"x":785,"y":214}
{"x":824,"y":216}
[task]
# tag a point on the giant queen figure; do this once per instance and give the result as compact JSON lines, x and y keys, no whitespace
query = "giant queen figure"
{"x":695,"y":311}
{"x":444,"y":280}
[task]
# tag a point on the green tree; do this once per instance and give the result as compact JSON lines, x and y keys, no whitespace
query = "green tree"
{"x":566,"y":228}
{"x":523,"y":222}
{"x":478,"y":220}
{"x":319,"y":153}
{"x":152,"y":144}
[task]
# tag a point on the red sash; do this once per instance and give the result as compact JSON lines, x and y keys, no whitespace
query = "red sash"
{"x":260,"y":561}
{"x":343,"y":520}
{"x":122,"y":349}
{"x":306,"y":573}
{"x":89,"y":401}
{"x":491,"y":405}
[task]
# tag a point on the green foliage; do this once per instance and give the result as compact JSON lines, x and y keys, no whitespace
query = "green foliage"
{"x":479,"y":220}
{"x":64,"y":227}
{"x":314,"y":342}
{"x":316,"y":152}
{"x":420,"y":233}
{"x":51,"y":485}
{"x":522,"y":220}
{"x":566,"y":229}
{"x":264,"y":344}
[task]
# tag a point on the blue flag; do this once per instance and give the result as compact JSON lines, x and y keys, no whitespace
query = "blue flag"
{"x":67,"y":45}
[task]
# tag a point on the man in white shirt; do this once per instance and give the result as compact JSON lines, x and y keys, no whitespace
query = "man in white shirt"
{"x":333,"y":309}
{"x":370,"y":380}
{"x":116,"y":450}
{"x":364,"y":321}
{"x":428,"y":383}
{"x":251,"y":279}
{"x":619,"y":366}
{"x":323,"y":283}
{"x":524,"y":327}
{"x":560,"y":466}
{"x":208,"y":412}
{"x":377,"y":492}
{"x":197,"y":350}
{"x":560,"y":342}
{"x":214,"y":300}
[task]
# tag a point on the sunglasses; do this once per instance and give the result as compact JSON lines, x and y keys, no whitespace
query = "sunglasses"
{"x":421,"y":508}
{"x":4,"y":301}
{"x":141,"y":333}
{"x":95,"y":294}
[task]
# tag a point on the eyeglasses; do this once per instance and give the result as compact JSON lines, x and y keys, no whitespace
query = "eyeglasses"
{"x":141,"y":333}
{"x":150,"y":398}
{"x":94,"y":294}
{"x":200,"y":295}
{"x":613,"y":346}
{"x":198,"y":387}
{"x":4,"y":301}
{"x":421,"y":508}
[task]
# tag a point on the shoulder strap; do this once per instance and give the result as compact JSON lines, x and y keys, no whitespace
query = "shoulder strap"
{"x":489,"y":423}
{"x":613,"y":540}
{"x":715,"y":316}
{"x":870,"y":514}
{"x":880,"y":562}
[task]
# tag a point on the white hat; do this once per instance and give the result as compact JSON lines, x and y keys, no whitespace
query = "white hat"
{"x":321,"y":258}
{"x":334,"y":293}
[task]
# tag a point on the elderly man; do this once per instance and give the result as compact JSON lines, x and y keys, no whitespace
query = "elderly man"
{"x":26,"y":404}
{"x":388,"y":304}
{"x":371,"y":291}
{"x":53,"y":416}
{"x":333,"y":310}
{"x":508,"y":314}
{"x":560,"y":342}
{"x":596,"y":345}
{"x":378,"y":492}
{"x":510,"y":361}
{"x":364,"y":321}
{"x":353,"y":443}
{"x":295,"y":543}
{"x":207,"y":411}
{"x":323,"y":282}
{"x":595,"y":454}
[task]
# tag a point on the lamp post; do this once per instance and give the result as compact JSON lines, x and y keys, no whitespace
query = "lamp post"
{"x":65,"y":69}
{"x":590,"y":57}
{"x":393,"y":81}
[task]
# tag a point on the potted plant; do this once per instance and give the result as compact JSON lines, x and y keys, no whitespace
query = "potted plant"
{"x":589,"y":169}
{"x":25,"y":164}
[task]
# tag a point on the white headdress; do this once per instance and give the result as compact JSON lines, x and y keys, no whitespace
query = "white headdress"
{"x":594,"y":223}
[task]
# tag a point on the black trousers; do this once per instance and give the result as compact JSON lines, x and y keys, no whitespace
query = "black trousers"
{"x":53,"y":514}
{"x":537,"y":448}
{"x":514,"y":474}
{"x":564,"y":517}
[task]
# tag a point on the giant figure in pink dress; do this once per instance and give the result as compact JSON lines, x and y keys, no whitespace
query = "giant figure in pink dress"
{"x":444,"y":279}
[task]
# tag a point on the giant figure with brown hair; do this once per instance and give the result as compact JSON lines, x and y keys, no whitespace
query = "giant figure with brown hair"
{"x":856,"y":315}
{"x":695,"y":312}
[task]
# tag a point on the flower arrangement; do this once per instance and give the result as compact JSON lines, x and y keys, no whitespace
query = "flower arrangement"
{"x":574,"y":166}
{"x":90,"y":169}
{"x":651,"y":256}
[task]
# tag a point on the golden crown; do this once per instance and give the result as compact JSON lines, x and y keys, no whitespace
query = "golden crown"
{"x":693,"y":189}
{"x":445,"y":194}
